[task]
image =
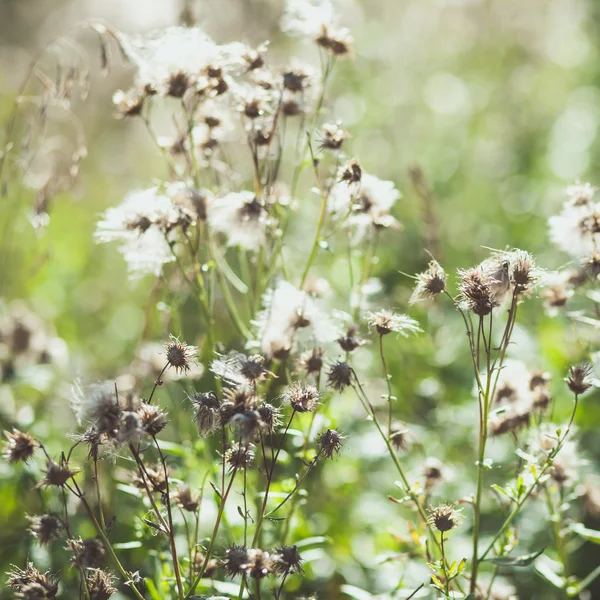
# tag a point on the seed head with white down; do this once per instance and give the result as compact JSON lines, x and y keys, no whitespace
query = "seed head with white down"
{"x":182,"y":54}
{"x":366,"y":204}
{"x":142,"y":224}
{"x":286,"y":312}
{"x":242,"y":218}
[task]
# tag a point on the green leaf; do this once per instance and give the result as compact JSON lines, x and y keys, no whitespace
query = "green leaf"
{"x":515,"y":561}
{"x":151,"y":588}
{"x":544,"y":568}
{"x":591,"y":535}
{"x":313,"y":541}
{"x":355,"y":592}
{"x":127,"y":545}
{"x":502,"y":491}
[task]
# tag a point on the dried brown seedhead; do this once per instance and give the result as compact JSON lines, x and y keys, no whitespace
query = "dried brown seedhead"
{"x":20,"y":446}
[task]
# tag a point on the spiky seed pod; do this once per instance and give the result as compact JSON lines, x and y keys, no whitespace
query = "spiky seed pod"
{"x":152,"y":418}
{"x":579,"y":378}
{"x":130,"y":428}
{"x":476,"y":292}
{"x":444,"y":517}
{"x":180,"y":356}
{"x":287,"y":559}
{"x":100,"y":584}
{"x":302,"y":398}
{"x":45,"y":527}
{"x":31,"y":584}
{"x":89,"y":553}
{"x":351,"y":341}
{"x":523,"y":271}
{"x":206,"y":412}
{"x":93,"y":439}
{"x":240,"y":456}
{"x":311,"y":362}
{"x":350,"y":172}
{"x":330,"y":443}
{"x":155,"y":477}
{"x":430,"y":283}
{"x":248,"y":423}
{"x":20,"y":446}
{"x":185,"y":499}
{"x":236,"y":560}
{"x":339,"y":376}
{"x":56,"y":474}
{"x":269,"y":415}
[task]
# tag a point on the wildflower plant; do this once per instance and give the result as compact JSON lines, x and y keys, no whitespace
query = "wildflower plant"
{"x":214,"y":436}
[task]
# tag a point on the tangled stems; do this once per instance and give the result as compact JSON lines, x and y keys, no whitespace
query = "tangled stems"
{"x":213,"y":538}
{"x":519,"y":504}
{"x":358,"y":389}
{"x":128,"y":578}
{"x":485,"y":402}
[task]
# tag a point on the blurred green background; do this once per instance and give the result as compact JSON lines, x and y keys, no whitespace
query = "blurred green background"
{"x":497,"y":101}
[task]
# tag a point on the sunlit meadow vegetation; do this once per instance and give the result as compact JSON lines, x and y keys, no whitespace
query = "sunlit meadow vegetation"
{"x":299,"y":300}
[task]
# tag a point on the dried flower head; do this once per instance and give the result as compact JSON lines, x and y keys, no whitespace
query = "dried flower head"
{"x":236,"y":368}
{"x":297,"y":78}
{"x":399,"y":436}
{"x":247,"y":423}
{"x":433,"y":471}
{"x":330,"y":443}
{"x":236,"y":560}
{"x":509,"y":420}
{"x":338,"y":42}
{"x":155,"y":477}
{"x":31,"y":584}
{"x":311,"y":362}
{"x":270,"y":416}
{"x":339,"y":375}
{"x":303,"y":398}
{"x":240,"y":456}
{"x":180,"y":356}
{"x":260,"y":563}
{"x":45,"y":527}
{"x":287,"y":560}
{"x":524,"y":273}
{"x":100,"y":584}
{"x":350,"y":172}
{"x":206,"y":411}
{"x":185,"y":499}
{"x":130,"y":428}
{"x":153,"y":419}
{"x":89,"y":553}
{"x":332,"y":136}
{"x":430,"y":283}
{"x":386,"y":322}
{"x":351,"y":341}
{"x":579,"y":378}
{"x":57,"y":474}
{"x":20,"y":446}
{"x":444,"y":517}
{"x":476,"y":292}
{"x":130,"y":103}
